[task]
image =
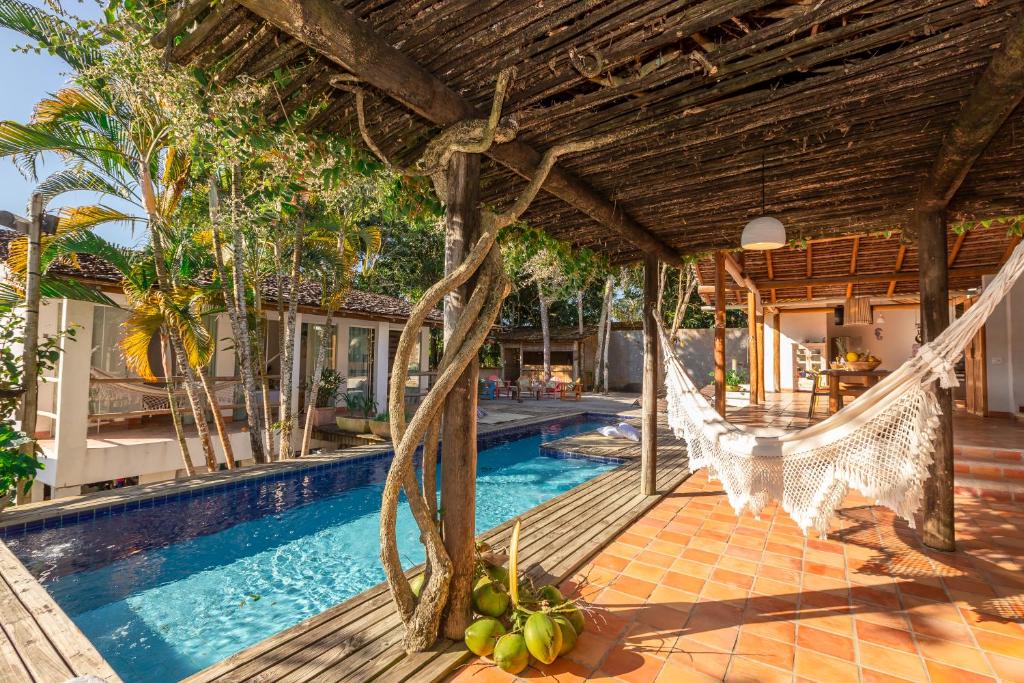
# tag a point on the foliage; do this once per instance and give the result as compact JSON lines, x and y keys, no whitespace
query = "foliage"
{"x":15,"y":464}
{"x":382,"y":417}
{"x":411,"y":259}
{"x":732,"y":378}
{"x":359,"y":403}
{"x":628,"y":303}
{"x":330,"y":383}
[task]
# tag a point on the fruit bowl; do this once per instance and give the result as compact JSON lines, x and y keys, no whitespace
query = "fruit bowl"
{"x":862,"y":365}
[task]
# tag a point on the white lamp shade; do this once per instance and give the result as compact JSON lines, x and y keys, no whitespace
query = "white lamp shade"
{"x":762,"y":233}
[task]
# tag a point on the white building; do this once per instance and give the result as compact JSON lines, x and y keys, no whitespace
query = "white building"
{"x":99,"y":426}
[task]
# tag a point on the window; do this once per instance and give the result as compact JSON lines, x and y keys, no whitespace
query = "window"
{"x":106,"y":336}
{"x":557,"y":358}
{"x":360,"y":360}
{"x":311,"y":336}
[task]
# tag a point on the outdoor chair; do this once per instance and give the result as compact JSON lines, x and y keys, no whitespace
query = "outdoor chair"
{"x":571,"y":391}
{"x":552,"y":389}
{"x":487,"y":389}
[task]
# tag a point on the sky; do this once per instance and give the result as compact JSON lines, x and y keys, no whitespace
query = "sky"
{"x":24,"y":80}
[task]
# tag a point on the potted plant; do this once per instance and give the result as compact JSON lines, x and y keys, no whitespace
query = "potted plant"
{"x":733,"y":380}
{"x":327,"y":396}
{"x":380,"y":425}
{"x":359,"y":407}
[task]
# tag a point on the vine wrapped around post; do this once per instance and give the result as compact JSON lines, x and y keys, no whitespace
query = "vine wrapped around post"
{"x":422,"y":617}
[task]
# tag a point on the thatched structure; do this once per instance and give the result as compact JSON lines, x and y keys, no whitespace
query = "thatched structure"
{"x":847,"y":101}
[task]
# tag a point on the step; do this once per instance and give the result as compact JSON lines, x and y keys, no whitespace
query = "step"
{"x":987,"y":489}
{"x":1009,"y":455}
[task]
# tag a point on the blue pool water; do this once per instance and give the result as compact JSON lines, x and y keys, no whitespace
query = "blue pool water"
{"x":166,"y":591}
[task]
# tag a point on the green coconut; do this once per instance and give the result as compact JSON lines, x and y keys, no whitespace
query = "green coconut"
{"x":543,"y":637}
{"x":499,"y":574}
{"x":552,"y":595}
{"x":511,"y":654}
{"x":490,"y":598}
{"x":483,"y":634}
{"x":416,"y":584}
{"x":568,"y":634}
{"x":574,"y":615}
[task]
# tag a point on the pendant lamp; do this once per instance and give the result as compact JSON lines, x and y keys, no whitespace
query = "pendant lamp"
{"x":764,"y":232}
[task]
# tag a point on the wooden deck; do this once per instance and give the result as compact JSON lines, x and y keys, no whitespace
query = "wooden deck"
{"x":360,"y":639}
{"x":594,"y":444}
{"x":38,"y":642}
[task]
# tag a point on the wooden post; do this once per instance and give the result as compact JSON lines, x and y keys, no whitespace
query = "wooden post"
{"x":649,"y":400}
{"x":938,"y":531}
{"x":458,"y":450}
{"x":720,"y":332}
{"x":777,"y":350}
{"x":759,"y":324}
{"x":755,"y":390}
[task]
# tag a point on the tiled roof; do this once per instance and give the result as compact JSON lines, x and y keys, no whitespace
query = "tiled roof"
{"x":357,"y":303}
{"x":533,"y":334}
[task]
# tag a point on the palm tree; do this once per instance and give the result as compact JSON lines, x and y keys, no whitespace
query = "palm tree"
{"x":115,"y":139}
{"x":335,"y":251}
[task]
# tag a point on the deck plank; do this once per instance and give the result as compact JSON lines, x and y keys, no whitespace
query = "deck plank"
{"x":49,"y":645}
{"x":360,"y":639}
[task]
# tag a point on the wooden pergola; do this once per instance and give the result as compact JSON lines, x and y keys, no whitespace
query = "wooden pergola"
{"x":863,"y":115}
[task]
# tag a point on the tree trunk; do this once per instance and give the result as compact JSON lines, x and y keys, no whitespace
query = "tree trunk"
{"x":288,"y":378}
{"x":579,"y":311}
{"x":458,"y":442}
{"x":601,"y":340}
{"x":752,"y":348}
{"x":314,"y":384}
{"x":29,"y":353}
{"x":239,"y":332}
{"x":938,"y":531}
{"x":259,"y":353}
{"x":166,"y":288}
{"x":218,"y":420}
{"x":607,"y":342}
{"x":545,"y":334}
{"x":172,"y":404}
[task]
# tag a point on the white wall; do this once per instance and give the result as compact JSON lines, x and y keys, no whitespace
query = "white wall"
{"x":796,"y":328}
{"x":1004,"y":347}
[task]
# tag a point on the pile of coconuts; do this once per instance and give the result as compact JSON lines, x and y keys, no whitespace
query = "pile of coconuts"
{"x":517,"y":620}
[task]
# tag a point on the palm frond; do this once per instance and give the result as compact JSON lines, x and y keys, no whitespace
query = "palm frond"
{"x":141,"y":326}
{"x":54,"y":287}
{"x":85,"y":242}
{"x":88,"y":217}
{"x":49,"y":30}
{"x":67,"y":104}
{"x":78,"y":177}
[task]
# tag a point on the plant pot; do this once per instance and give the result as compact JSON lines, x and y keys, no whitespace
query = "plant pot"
{"x":356,"y":425}
{"x":381,"y":429}
{"x":732,"y":387}
{"x":323,"y":416}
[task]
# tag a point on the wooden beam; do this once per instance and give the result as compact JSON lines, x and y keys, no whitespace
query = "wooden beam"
{"x":996,"y":94}
{"x":752,"y":347}
{"x":720,"y":332}
{"x":649,"y":400}
{"x":900,"y":255}
{"x":904,"y":276}
{"x":771,"y":272}
{"x":458,"y":444}
{"x":740,"y":278}
{"x":853,"y":264}
{"x":957,"y":245}
{"x":710,"y":289}
{"x":342,"y":38}
{"x":810,"y":269}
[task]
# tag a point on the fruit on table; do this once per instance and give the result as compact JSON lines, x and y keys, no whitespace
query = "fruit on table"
{"x":851,"y":357}
{"x":510,"y":653}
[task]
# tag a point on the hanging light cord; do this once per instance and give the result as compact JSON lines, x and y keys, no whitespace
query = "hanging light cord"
{"x":762,"y":183}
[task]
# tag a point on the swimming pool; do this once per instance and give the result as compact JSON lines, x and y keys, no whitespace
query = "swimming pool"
{"x":167,"y":590}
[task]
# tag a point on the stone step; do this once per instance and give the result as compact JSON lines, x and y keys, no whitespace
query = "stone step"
{"x":988,"y":489}
{"x":992,"y":470}
{"x":1005,"y":455}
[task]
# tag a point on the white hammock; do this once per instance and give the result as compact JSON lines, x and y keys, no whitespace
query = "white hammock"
{"x":880,"y":445}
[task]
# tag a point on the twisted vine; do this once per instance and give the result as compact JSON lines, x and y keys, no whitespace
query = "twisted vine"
{"x":422,"y":617}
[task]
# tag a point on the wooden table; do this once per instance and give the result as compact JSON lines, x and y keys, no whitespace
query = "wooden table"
{"x":835,"y":393}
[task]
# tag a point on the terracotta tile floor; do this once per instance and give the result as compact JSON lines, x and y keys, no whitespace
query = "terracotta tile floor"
{"x":693,"y":593}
